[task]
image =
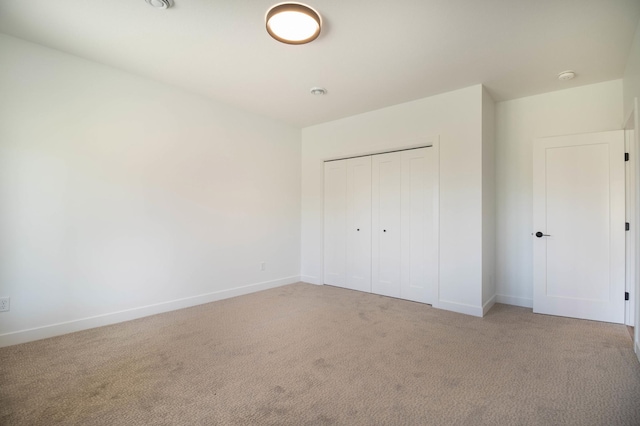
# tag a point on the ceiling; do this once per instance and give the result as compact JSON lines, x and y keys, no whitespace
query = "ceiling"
{"x":370,"y":54}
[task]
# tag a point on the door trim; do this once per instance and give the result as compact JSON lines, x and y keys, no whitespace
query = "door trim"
{"x":633,"y":122}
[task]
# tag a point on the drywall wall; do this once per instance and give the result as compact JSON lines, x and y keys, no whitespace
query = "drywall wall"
{"x":454,"y":119}
{"x":631,"y":79}
{"x":488,"y":201}
{"x":122,"y":197}
{"x":584,"y":109}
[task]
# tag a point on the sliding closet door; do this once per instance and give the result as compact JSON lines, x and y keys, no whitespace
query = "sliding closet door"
{"x":386,"y":230}
{"x":419,"y":249}
{"x":359,"y":224}
{"x":335,"y":222}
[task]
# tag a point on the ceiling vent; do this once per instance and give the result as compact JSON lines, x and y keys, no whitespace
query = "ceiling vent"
{"x":566,"y":75}
{"x":160,"y":4}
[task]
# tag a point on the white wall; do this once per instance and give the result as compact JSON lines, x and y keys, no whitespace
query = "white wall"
{"x":117,"y":193}
{"x":631,"y":79}
{"x":455,"y":119}
{"x":488,"y":201}
{"x":584,"y":109}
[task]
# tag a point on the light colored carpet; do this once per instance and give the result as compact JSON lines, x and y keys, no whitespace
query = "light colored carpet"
{"x":306,"y":355}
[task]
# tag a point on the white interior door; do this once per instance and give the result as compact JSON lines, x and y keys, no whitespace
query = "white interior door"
{"x":418,"y":212}
{"x":579,"y":218}
{"x":386,"y":230}
{"x":335,"y":222}
{"x":358,"y":233}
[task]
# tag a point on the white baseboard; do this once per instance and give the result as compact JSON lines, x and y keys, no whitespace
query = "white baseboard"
{"x":29,"y":335}
{"x":310,"y":279}
{"x":487,"y":306}
{"x":637,"y":347}
{"x":460,"y":308}
{"x":513,"y":300}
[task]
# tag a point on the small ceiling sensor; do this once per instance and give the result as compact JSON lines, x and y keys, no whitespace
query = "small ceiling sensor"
{"x":566,"y":75}
{"x":160,"y":4}
{"x":318,"y":91}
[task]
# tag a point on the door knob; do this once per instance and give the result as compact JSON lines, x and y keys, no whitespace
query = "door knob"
{"x":540,"y":234}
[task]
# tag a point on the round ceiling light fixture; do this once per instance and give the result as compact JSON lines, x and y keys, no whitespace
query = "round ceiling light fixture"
{"x":293,"y":23}
{"x":160,"y":4}
{"x":566,"y":75}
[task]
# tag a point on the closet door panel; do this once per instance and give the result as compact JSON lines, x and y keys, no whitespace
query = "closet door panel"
{"x":335,"y":222}
{"x":418,"y":239}
{"x":386,"y":220}
{"x":359,"y":224}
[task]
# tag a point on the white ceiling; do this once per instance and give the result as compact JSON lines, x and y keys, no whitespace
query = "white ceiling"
{"x":371,"y":54}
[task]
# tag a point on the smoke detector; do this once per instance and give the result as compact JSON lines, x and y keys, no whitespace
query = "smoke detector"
{"x":566,"y":75}
{"x":160,"y":4}
{"x":319,"y":91}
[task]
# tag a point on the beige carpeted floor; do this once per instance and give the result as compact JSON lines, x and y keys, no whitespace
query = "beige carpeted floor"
{"x":307,"y":355}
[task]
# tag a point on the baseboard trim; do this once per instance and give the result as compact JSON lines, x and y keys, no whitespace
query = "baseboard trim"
{"x":460,"y":308}
{"x":310,"y":279}
{"x":513,"y":300}
{"x":52,"y":330}
{"x":637,"y":347}
{"x":487,"y":306}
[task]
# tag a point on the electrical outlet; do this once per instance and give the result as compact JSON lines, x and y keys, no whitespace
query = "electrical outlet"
{"x":4,"y":304}
{"x":263,"y":266}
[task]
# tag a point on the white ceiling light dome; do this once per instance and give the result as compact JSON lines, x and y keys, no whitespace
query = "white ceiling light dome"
{"x":293,"y":23}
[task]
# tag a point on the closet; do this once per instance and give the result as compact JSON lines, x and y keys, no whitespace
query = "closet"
{"x":380,"y":230}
